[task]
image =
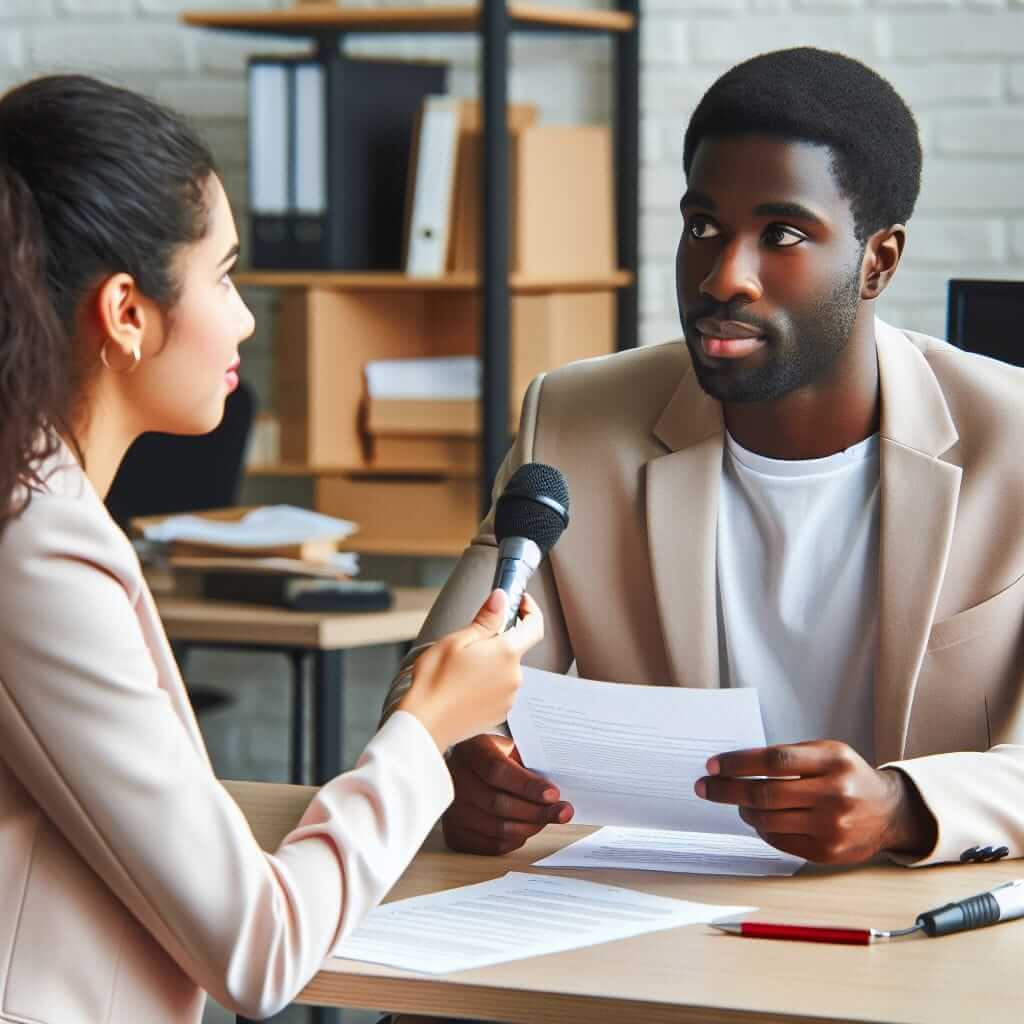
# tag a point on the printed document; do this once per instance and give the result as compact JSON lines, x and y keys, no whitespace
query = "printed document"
{"x":629,"y":756}
{"x":510,"y":918}
{"x":651,"y":849}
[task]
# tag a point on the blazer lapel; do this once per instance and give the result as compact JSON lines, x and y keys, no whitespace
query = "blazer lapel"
{"x":682,"y":517}
{"x":919,"y":496}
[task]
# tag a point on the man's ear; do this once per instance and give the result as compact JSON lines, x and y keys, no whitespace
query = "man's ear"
{"x":882,"y":256}
{"x":120,"y":311}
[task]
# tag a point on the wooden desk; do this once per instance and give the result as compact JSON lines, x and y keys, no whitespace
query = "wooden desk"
{"x":322,"y":636}
{"x":694,"y":974}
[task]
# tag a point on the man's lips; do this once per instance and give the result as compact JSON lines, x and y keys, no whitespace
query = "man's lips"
{"x":728,"y":339}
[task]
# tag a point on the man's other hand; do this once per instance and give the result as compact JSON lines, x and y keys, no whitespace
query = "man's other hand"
{"x":821,"y":801}
{"x":498,"y":804}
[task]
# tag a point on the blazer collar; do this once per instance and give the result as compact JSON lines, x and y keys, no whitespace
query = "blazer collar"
{"x":691,"y":415}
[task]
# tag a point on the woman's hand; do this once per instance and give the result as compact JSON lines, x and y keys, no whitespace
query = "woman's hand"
{"x":467,"y":682}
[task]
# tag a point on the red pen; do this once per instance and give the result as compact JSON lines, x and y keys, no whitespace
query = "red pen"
{"x":810,"y":933}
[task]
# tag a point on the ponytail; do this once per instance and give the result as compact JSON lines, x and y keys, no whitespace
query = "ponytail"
{"x":35,"y":365}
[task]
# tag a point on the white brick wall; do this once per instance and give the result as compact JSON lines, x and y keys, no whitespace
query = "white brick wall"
{"x":959,"y":63}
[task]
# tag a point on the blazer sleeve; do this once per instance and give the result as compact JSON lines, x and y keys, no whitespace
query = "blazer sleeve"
{"x":470,"y":582}
{"x":91,"y":733}
{"x":975,"y":798}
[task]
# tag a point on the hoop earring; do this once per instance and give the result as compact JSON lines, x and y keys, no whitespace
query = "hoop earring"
{"x":136,"y":359}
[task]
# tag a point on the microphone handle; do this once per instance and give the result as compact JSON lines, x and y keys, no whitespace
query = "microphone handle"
{"x":518,"y":557}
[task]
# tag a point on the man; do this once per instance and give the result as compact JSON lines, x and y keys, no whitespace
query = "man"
{"x":798,"y":498}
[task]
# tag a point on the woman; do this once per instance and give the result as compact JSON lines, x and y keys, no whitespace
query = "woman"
{"x":130,"y":883}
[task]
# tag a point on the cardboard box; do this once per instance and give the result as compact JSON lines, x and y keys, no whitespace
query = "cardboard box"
{"x":404,"y":417}
{"x":562,"y":202}
{"x":325,"y":340}
{"x":452,"y":456}
{"x":426,"y":516}
{"x":548,"y":330}
{"x":328,"y":337}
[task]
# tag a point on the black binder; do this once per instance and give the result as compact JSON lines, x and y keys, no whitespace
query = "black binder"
{"x":346,"y":212}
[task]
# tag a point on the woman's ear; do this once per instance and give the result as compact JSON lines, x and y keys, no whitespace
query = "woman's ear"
{"x":882,"y":256}
{"x":120,"y":312}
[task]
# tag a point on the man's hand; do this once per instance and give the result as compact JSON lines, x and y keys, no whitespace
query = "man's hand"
{"x":498,"y":803}
{"x":822,"y":801}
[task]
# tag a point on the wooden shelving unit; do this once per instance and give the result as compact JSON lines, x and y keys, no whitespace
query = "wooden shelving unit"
{"x":491,"y":296}
{"x":306,"y":20}
{"x":386,"y":281}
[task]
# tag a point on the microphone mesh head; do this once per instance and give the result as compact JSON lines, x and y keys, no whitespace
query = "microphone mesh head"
{"x":535,"y":505}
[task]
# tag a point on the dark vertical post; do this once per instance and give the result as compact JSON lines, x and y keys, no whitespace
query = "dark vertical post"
{"x":328,"y":708}
{"x":627,"y":170}
{"x":297,"y":658}
{"x":494,"y":337}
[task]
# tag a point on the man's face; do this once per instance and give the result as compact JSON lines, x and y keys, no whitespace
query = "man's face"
{"x":768,"y":267}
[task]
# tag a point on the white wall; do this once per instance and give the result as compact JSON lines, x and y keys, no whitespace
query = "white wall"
{"x":958,"y":63}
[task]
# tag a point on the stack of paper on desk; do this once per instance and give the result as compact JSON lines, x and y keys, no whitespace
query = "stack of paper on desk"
{"x":629,"y":756}
{"x":282,"y":530}
{"x":513,"y":917}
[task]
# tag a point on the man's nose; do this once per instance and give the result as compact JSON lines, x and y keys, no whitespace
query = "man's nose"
{"x":734,"y":275}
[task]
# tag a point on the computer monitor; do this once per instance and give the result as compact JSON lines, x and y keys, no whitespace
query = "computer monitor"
{"x":987,"y":317}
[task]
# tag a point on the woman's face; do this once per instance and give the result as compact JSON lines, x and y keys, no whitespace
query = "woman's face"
{"x":189,"y":370}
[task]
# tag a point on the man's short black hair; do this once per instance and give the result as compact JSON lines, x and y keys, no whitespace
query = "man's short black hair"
{"x":825,"y":98}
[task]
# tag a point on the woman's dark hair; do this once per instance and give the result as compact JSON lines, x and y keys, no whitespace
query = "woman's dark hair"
{"x":817,"y":96}
{"x":94,"y":180}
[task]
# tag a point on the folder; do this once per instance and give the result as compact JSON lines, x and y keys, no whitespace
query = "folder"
{"x":445,"y":178}
{"x":329,"y":153}
{"x":269,"y":140}
{"x":436,"y":146}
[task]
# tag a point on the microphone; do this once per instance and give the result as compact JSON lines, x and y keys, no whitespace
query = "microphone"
{"x":529,"y":517}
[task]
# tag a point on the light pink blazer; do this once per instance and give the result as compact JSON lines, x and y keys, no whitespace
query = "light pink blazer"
{"x":130,"y":883}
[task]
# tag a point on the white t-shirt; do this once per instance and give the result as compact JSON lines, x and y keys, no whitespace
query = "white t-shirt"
{"x":798,"y":590}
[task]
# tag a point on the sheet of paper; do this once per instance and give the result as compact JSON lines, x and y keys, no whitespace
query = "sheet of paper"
{"x":630,"y":755}
{"x":270,"y":526}
{"x":510,"y":918}
{"x":652,"y":849}
{"x":440,"y":377}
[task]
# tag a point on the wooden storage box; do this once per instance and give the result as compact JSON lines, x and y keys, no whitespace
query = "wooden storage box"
{"x":328,"y":337}
{"x":406,"y":516}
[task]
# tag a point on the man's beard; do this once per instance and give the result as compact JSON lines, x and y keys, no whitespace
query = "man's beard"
{"x":798,"y":353}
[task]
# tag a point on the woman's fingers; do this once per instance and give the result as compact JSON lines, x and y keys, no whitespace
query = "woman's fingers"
{"x":529,"y":628}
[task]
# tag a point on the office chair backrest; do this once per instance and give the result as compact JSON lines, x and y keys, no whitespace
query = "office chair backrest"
{"x":985,"y":317}
{"x":165,"y":473}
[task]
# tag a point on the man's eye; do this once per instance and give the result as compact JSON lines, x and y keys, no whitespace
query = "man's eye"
{"x":781,"y":237}
{"x":701,"y":227}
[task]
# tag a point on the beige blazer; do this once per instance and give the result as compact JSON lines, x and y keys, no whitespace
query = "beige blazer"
{"x":129,"y":880}
{"x":629,"y":590}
